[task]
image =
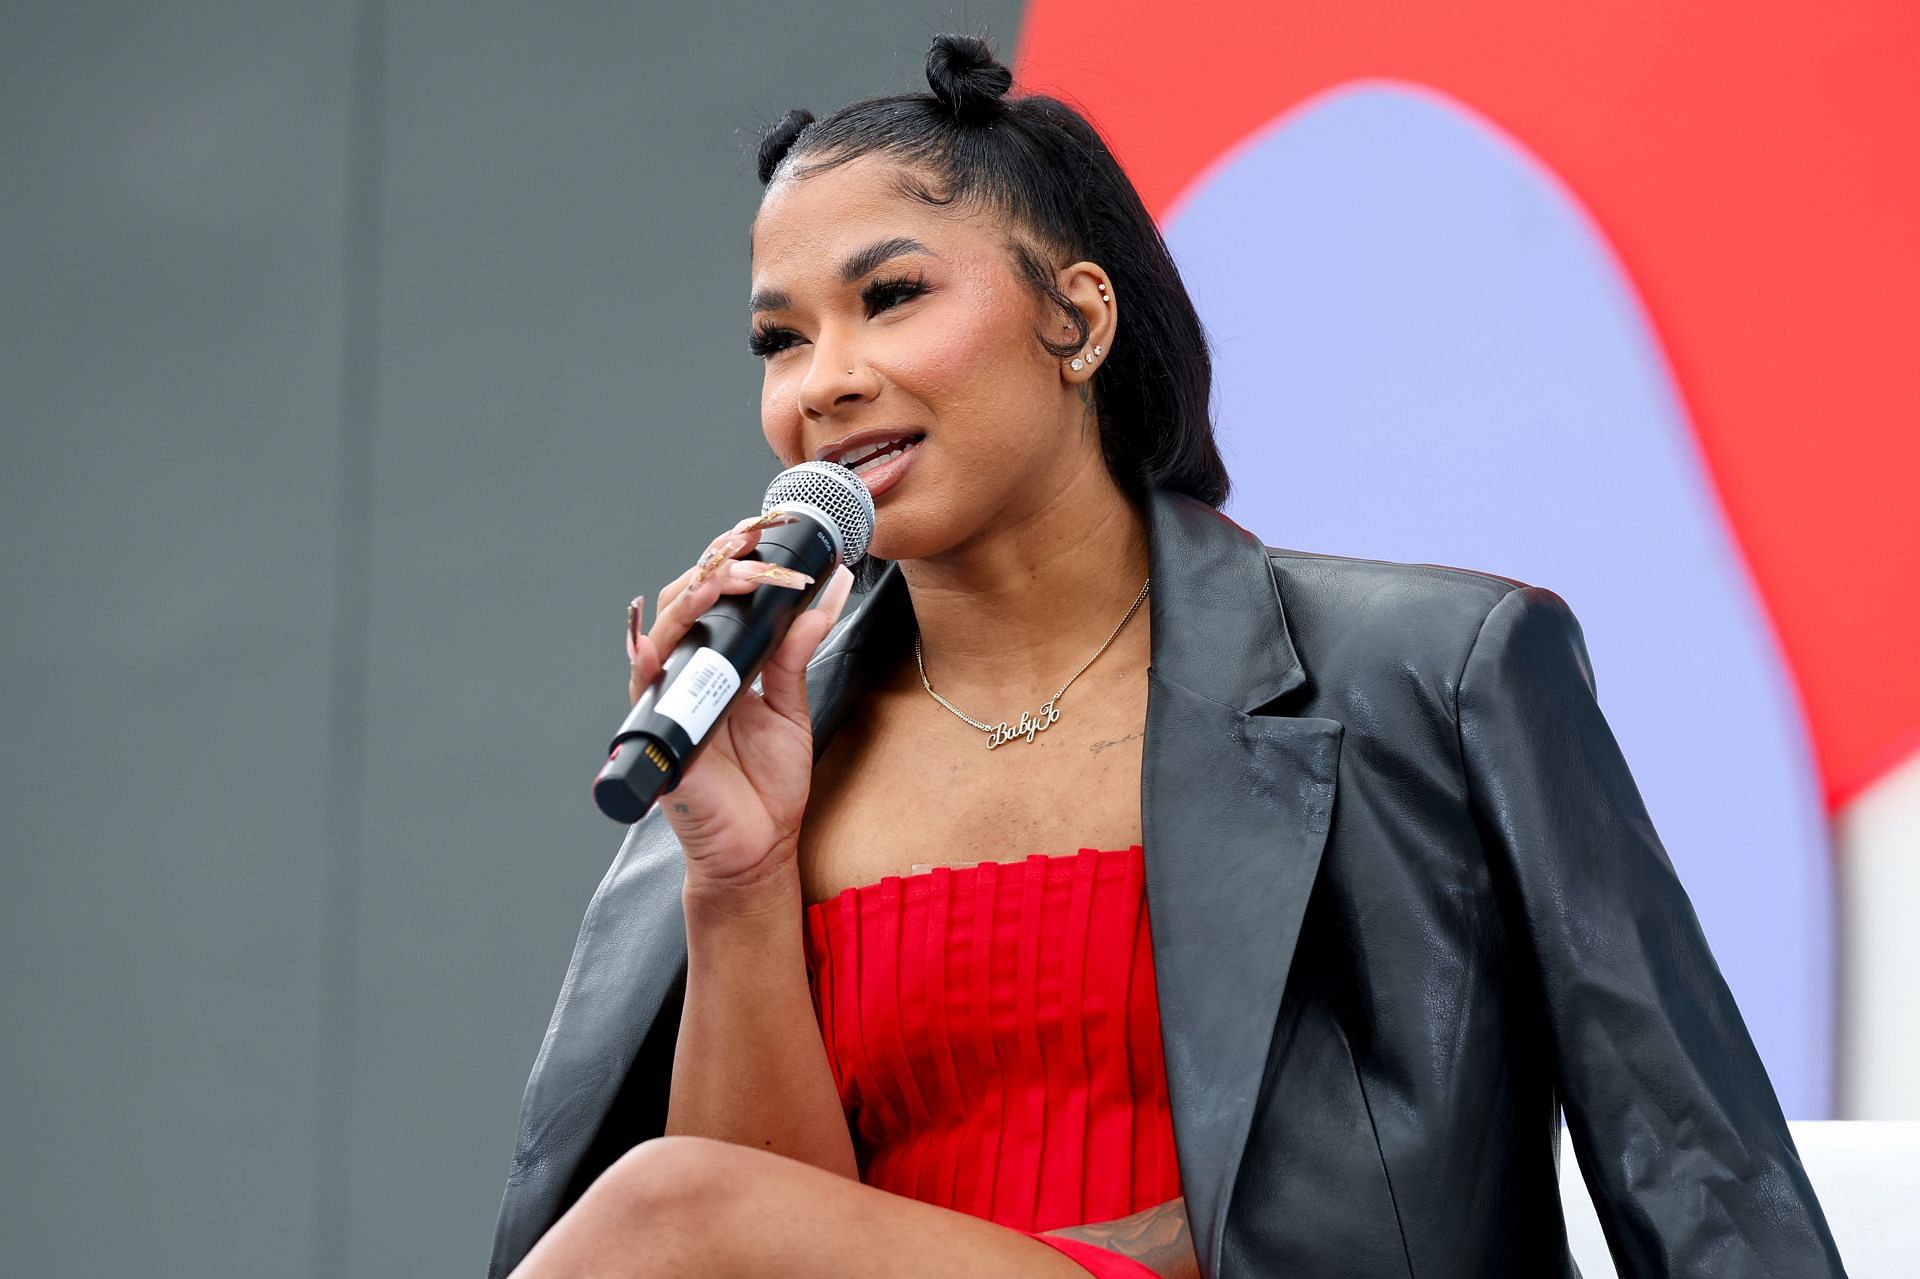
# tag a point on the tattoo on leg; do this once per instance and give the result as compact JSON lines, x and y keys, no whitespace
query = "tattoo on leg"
{"x":1157,"y":1238}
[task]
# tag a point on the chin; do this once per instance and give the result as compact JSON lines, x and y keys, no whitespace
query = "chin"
{"x":899,"y":538}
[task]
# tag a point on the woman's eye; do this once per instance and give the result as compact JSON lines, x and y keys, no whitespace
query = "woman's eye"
{"x":879,"y":295}
{"x":767,"y":340}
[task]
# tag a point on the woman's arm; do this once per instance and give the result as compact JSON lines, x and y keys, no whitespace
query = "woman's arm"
{"x":750,"y":1065}
{"x":1682,"y":1141}
{"x":1157,"y":1238}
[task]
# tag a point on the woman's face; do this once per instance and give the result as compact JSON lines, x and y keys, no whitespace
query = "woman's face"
{"x":924,"y":306}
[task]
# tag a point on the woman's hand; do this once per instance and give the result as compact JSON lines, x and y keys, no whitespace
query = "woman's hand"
{"x":737,"y":808}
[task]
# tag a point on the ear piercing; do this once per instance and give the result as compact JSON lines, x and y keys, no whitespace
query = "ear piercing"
{"x":1077,"y":363}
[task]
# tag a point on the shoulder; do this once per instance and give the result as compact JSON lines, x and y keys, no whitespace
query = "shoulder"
{"x":1323,"y":592}
{"x":1354,"y":618}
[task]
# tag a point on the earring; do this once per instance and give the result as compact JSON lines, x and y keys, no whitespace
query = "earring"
{"x":1103,"y":291}
{"x":1098,"y":352}
{"x":1077,"y":364}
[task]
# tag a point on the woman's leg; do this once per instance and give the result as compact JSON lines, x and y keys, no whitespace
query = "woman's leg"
{"x":690,"y":1206}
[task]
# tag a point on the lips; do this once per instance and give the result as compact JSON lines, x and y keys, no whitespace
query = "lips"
{"x":863,"y":447}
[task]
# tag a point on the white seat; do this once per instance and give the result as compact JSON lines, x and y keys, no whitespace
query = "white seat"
{"x":1866,"y":1173}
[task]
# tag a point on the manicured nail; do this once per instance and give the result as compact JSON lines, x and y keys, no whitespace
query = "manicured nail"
{"x":752,"y":522}
{"x":633,"y":626}
{"x":711,"y":561}
{"x":717,"y":554}
{"x":780,"y":575}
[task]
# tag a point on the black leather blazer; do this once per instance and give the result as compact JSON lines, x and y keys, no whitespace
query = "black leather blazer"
{"x":1406,"y":905}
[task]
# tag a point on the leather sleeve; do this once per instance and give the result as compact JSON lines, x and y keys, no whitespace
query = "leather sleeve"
{"x":1686,"y":1153}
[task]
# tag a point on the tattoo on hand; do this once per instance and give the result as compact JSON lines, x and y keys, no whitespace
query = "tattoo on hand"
{"x":680,"y":809}
{"x":1157,"y":1238}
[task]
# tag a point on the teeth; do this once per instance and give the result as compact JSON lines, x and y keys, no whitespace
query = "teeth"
{"x":880,"y":459}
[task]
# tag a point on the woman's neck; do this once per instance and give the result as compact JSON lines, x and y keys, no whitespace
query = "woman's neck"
{"x":1030,"y":599}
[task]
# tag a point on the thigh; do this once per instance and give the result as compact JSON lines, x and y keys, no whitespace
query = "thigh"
{"x":690,"y":1206}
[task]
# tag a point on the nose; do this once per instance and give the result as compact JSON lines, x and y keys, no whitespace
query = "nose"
{"x":835,"y":379}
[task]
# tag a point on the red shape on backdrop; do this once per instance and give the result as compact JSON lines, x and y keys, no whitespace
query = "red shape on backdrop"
{"x":1751,"y":164}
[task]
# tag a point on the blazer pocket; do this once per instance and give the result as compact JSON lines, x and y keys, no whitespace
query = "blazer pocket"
{"x":1313,"y":1196}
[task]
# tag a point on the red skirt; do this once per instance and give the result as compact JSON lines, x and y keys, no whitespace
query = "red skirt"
{"x":995,"y":1037}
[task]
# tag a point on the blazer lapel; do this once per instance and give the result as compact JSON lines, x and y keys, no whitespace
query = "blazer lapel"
{"x":1235,"y":807}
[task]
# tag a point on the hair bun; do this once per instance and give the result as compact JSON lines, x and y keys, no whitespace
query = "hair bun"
{"x":963,"y":73}
{"x":778,"y":140}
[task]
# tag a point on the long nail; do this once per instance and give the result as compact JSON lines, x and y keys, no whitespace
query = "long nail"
{"x":633,"y":626}
{"x":752,"y":522}
{"x":728,"y":547}
{"x":780,"y":575}
{"x":719,"y":554}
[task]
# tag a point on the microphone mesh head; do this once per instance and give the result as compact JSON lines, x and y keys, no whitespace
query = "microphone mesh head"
{"x":837,"y":493}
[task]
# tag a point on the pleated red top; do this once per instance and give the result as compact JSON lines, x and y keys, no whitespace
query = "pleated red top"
{"x":995,"y":1036}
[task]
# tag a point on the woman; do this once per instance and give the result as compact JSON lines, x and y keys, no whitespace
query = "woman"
{"x":1405,"y":901}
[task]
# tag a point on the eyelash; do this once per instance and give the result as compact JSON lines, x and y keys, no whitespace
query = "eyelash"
{"x":878,"y":295}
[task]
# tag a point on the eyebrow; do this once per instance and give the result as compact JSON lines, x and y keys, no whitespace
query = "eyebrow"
{"x":861,"y":263}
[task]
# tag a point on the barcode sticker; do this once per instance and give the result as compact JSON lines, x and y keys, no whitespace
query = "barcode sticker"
{"x":704,"y":687}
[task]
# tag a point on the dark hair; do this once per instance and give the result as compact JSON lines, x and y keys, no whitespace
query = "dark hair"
{"x":1039,"y":162}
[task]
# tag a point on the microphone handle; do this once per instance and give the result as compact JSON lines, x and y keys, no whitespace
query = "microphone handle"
{"x":722,"y":653}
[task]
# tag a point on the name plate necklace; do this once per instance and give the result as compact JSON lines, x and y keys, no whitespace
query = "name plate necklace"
{"x":1032,"y":723}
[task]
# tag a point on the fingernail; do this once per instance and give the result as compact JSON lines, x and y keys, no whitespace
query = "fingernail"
{"x":633,"y":626}
{"x":775,"y":516}
{"x":780,"y":575}
{"x":717,"y":554}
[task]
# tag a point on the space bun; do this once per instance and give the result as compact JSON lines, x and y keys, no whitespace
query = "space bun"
{"x":963,"y":74}
{"x":779,"y":139}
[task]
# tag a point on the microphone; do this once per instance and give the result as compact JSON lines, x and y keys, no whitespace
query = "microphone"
{"x":727,"y":646}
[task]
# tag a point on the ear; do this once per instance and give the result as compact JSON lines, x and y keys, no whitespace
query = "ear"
{"x":1089,"y":289}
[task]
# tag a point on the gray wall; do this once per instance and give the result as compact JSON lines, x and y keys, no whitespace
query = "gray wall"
{"x":353,"y":361}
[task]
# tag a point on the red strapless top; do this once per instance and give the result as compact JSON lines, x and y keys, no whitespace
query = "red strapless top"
{"x":995,"y":1037}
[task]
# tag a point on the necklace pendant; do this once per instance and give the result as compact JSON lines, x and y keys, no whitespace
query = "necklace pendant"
{"x":1030,"y":726}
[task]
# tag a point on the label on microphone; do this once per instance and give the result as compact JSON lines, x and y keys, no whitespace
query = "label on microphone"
{"x":704,"y":687}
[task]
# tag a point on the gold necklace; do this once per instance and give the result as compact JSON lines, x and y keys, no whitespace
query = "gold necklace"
{"x":1031,"y":723}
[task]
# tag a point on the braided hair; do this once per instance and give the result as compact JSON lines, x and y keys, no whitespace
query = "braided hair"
{"x":1041,"y":165}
